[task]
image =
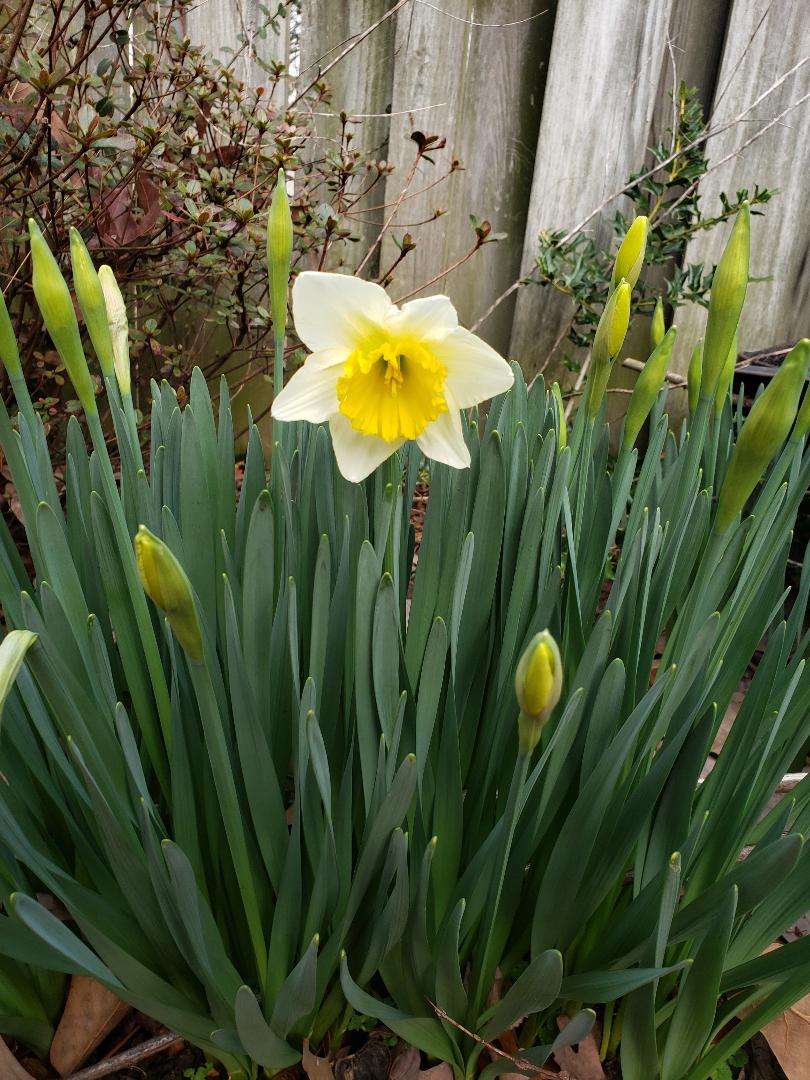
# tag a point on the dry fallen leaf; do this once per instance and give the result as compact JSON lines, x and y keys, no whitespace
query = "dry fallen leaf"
{"x":438,"y":1072}
{"x":789,"y":1038}
{"x":406,"y":1065}
{"x":10,"y":1068}
{"x":316,"y":1068}
{"x":91,"y":1013}
{"x":582,"y":1063}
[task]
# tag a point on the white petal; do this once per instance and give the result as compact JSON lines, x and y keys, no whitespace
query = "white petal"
{"x":337,"y":311}
{"x":358,"y":455}
{"x":475,"y":372}
{"x":443,"y":439}
{"x":431,"y":318}
{"x":311,"y":394}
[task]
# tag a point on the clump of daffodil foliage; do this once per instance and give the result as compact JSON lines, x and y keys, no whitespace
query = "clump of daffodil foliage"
{"x":274,"y":770}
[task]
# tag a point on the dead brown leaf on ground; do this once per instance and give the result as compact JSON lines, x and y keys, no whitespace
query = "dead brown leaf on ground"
{"x":91,"y":1013}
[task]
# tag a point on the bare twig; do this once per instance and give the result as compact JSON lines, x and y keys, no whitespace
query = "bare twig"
{"x":486,"y":26}
{"x":14,"y":44}
{"x":522,"y":1063}
{"x":672,"y":377}
{"x":442,"y":273}
{"x":352,"y":45}
{"x":387,"y":224}
{"x":127,"y":1058}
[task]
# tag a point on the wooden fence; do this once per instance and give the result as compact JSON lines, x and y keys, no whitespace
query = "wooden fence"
{"x":549,"y":106}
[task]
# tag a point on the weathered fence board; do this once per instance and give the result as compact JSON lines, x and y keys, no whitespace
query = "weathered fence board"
{"x":464,"y":72}
{"x":757,"y":52}
{"x":360,"y":85}
{"x":229,"y":27}
{"x":549,"y":107}
{"x":610,"y":60}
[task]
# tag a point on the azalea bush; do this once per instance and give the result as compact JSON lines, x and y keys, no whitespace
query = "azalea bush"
{"x":264,"y":767}
{"x":162,"y":153}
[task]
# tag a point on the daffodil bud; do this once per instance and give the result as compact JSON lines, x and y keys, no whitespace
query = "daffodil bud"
{"x":91,"y":301}
{"x":166,"y":584}
{"x":562,"y":430}
{"x":694,"y":376}
{"x":657,"y":326}
{"x":538,"y":685}
{"x":726,"y":301}
{"x":630,"y":256}
{"x":279,"y":255}
{"x":646,"y":389}
{"x":9,"y":353}
{"x":726,"y":378}
{"x":118,"y":325}
{"x":56,"y":306}
{"x":610,"y":334}
{"x":765,"y":429}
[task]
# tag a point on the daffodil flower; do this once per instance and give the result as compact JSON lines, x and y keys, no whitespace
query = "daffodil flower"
{"x":382,"y":374}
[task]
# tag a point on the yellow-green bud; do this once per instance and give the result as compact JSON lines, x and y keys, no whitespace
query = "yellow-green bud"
{"x":630,"y":256}
{"x":726,"y":378}
{"x":15,"y":645}
{"x":610,"y":334}
{"x":694,"y":376}
{"x":279,"y":252}
{"x":118,"y":326}
{"x":166,"y":584}
{"x":657,"y":326}
{"x":765,"y":429}
{"x":9,"y":353}
{"x":58,"y":314}
{"x":538,"y":685}
{"x":726,"y":300}
{"x":91,"y":301}
{"x":562,"y":430}
{"x":646,"y":389}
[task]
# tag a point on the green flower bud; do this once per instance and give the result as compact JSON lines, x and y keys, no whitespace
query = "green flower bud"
{"x":726,"y":378}
{"x":56,"y":305}
{"x":279,"y":253}
{"x":91,"y":301}
{"x":630,"y":256}
{"x":765,"y":429}
{"x":694,"y":376}
{"x":646,"y":389}
{"x":657,"y":326}
{"x":562,"y":431}
{"x":610,"y":334}
{"x":9,"y":353}
{"x":166,"y":584}
{"x":118,"y":326}
{"x":538,"y":685}
{"x":726,"y":301}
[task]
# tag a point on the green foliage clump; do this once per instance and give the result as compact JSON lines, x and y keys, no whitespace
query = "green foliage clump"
{"x":311,"y":801}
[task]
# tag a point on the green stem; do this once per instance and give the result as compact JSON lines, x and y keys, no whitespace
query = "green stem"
{"x":278,"y":364}
{"x":486,"y":972}
{"x":393,"y":476}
